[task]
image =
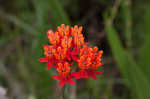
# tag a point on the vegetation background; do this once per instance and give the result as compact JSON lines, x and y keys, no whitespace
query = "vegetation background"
{"x":120,"y":27}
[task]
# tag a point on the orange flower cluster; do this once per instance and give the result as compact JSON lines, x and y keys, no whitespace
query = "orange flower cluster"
{"x":67,"y":48}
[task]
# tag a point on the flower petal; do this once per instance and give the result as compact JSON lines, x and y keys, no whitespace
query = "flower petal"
{"x":76,"y":75}
{"x":102,"y":63}
{"x":45,"y":59}
{"x":45,"y":46}
{"x":68,"y":57}
{"x":75,"y":57}
{"x":86,"y":43}
{"x":94,"y":77}
{"x":49,"y":31}
{"x":49,"y":65}
{"x":71,"y":82}
{"x":99,"y":72}
{"x":74,"y":52}
{"x":56,"y":77}
{"x":62,"y":83}
{"x":84,"y":74}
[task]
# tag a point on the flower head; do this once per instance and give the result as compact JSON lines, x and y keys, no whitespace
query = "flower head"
{"x":59,"y":53}
{"x":53,"y":37}
{"x":63,"y":30}
{"x":66,"y":42}
{"x":67,"y":47}
{"x":48,"y":51}
{"x":63,"y":69}
{"x":85,"y":50}
{"x":84,"y":62}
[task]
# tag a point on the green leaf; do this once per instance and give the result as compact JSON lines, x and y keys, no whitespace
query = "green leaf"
{"x":144,"y":51}
{"x":138,"y":81}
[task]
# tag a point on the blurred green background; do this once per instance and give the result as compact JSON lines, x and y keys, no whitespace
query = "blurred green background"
{"x":120,"y":27}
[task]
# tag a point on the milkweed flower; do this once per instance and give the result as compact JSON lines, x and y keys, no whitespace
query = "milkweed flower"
{"x":71,"y":56}
{"x":64,"y":74}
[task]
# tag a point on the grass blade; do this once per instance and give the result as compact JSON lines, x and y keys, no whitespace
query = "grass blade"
{"x":135,"y":75}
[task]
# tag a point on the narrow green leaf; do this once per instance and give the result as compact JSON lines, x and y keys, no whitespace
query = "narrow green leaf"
{"x":117,"y":48}
{"x":144,"y":51}
{"x":139,"y":82}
